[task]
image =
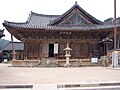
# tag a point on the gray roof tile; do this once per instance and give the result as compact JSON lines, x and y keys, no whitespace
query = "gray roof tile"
{"x":17,"y":46}
{"x":40,"y":21}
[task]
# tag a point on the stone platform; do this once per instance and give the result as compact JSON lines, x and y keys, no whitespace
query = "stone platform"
{"x":51,"y":62}
{"x":79,"y":86}
{"x":25,"y":63}
{"x":55,"y":63}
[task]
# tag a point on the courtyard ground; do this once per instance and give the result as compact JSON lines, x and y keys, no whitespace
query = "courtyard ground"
{"x":57,"y":75}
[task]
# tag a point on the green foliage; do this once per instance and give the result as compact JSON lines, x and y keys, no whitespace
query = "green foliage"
{"x":3,"y":43}
{"x":109,"y":21}
{"x":118,"y":20}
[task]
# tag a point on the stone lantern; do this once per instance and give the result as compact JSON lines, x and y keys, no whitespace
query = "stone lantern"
{"x":67,"y":55}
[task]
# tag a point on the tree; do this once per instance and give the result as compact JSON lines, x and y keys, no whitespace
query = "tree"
{"x":108,"y":21}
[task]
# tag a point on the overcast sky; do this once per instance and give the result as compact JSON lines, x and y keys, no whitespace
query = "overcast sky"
{"x":19,"y":10}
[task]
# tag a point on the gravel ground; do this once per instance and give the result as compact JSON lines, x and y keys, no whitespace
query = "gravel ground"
{"x":36,"y":75}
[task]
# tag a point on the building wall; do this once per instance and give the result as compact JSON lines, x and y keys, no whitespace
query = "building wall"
{"x":39,"y":50}
{"x":45,"y":49}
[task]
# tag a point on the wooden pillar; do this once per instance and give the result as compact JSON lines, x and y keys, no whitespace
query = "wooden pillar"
{"x":88,"y":52}
{"x":72,"y":45}
{"x":107,"y":47}
{"x":25,"y":48}
{"x":104,"y":49}
{"x":24,"y":51}
{"x":13,"y":50}
{"x":40,"y":51}
{"x":101,"y":49}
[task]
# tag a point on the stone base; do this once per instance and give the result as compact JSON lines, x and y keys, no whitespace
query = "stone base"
{"x":25,"y":63}
{"x":67,"y":65}
{"x":55,"y":63}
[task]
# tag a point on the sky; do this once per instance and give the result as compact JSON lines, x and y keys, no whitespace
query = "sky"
{"x":19,"y":10}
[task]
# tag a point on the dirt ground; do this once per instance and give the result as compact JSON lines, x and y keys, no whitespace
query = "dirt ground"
{"x":57,"y":75}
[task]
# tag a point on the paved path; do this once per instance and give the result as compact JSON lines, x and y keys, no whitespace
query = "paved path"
{"x":28,"y":75}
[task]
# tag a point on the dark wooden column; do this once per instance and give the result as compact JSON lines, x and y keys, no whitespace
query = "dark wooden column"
{"x":13,"y":50}
{"x":104,"y":49}
{"x":72,"y":44}
{"x":25,"y":48}
{"x":40,"y":51}
{"x":101,"y":49}
{"x":88,"y":52}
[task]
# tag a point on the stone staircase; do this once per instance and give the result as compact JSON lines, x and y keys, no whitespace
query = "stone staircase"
{"x":48,"y":62}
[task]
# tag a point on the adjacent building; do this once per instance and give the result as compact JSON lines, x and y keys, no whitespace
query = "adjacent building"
{"x":18,"y":48}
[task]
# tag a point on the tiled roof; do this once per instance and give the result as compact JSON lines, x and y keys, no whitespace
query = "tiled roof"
{"x":75,"y":7}
{"x":17,"y":46}
{"x":1,"y":33}
{"x":34,"y":21}
{"x":44,"y":22}
{"x":40,"y":19}
{"x":45,"y":26}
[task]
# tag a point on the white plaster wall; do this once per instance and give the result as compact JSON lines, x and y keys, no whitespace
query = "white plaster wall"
{"x":45,"y":49}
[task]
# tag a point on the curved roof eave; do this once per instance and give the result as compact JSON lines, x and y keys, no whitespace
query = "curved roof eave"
{"x":63,"y":27}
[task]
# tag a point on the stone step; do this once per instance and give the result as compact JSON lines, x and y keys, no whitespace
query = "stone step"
{"x":91,"y":86}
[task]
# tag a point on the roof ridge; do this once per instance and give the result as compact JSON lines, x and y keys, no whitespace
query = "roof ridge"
{"x":87,"y":25}
{"x":33,"y":13}
{"x":15,"y":22}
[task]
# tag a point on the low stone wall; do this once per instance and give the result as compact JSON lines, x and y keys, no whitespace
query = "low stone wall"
{"x":25,"y":63}
{"x":87,"y":62}
{"x":55,"y":63}
{"x":78,"y":62}
{"x":73,"y":62}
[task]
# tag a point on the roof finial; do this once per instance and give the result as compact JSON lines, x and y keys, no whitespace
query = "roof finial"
{"x":76,"y":2}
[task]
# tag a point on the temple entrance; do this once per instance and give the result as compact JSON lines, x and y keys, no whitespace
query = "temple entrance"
{"x":51,"y":50}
